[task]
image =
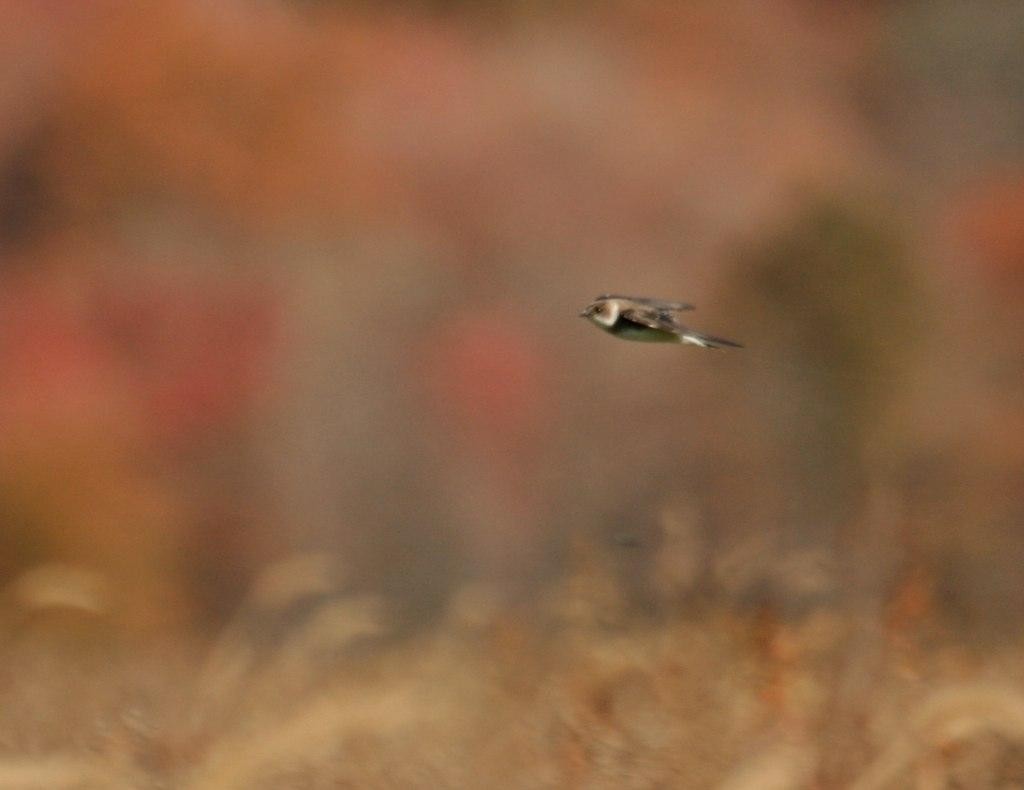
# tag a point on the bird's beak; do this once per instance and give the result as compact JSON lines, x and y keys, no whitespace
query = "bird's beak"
{"x":584,"y":313}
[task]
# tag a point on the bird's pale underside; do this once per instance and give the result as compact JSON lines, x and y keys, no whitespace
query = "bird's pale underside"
{"x":648,"y":320}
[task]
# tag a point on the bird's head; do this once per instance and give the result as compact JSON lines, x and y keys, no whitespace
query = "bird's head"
{"x":603,"y":312}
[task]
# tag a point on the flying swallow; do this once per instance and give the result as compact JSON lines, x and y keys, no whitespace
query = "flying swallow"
{"x":648,"y":320}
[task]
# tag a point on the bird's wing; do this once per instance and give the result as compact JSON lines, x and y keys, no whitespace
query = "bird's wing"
{"x":644,"y":300}
{"x":652,"y":317}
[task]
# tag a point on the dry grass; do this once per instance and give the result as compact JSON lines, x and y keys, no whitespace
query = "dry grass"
{"x":574,"y":691}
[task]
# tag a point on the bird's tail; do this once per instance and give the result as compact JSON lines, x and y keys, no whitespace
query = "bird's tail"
{"x":709,"y":341}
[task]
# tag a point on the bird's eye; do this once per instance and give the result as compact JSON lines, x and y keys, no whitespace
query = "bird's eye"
{"x":599,"y":309}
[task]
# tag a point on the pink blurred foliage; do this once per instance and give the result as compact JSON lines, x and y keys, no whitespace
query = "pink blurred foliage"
{"x":988,"y":217}
{"x":492,"y":395}
{"x":59,"y":370}
{"x":112,"y":379}
{"x":166,"y":362}
{"x":198,"y":353}
{"x":489,"y":383}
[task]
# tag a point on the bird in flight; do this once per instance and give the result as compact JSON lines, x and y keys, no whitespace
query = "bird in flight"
{"x":648,"y":320}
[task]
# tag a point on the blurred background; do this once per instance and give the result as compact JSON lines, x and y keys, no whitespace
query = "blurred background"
{"x":310,"y":475}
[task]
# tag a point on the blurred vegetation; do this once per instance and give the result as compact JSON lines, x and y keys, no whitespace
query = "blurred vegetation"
{"x":311,"y":477}
{"x":832,"y":296}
